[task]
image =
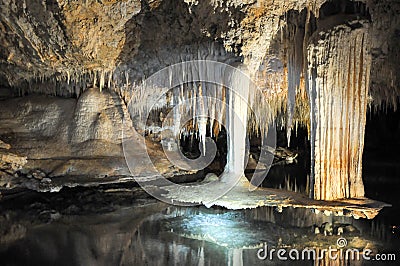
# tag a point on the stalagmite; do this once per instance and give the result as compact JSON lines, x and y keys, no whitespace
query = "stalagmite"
{"x":339,"y":68}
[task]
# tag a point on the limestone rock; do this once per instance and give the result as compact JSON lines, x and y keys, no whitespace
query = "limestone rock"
{"x":4,"y":145}
{"x":76,"y":141}
{"x":62,"y":35}
{"x":10,"y":162}
{"x":98,"y":116}
{"x":211,"y":177}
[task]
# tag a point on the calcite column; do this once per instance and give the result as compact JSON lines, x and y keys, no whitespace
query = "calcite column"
{"x":338,"y":72}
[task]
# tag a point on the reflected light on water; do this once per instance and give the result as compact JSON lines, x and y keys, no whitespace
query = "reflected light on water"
{"x":227,"y":229}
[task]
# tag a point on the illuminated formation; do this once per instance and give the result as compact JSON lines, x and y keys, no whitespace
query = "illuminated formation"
{"x":339,"y":72}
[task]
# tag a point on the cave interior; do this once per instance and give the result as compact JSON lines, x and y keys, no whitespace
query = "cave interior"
{"x":271,"y":118}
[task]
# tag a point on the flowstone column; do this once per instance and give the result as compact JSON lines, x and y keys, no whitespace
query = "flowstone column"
{"x":338,"y":71}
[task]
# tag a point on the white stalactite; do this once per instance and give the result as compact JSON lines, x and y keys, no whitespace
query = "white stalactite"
{"x":295,"y":62}
{"x":231,"y":109}
{"x":102,"y":79}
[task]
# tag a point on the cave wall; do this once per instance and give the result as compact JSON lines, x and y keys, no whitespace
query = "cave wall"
{"x":77,"y":140}
{"x":40,"y":38}
{"x":68,"y":44}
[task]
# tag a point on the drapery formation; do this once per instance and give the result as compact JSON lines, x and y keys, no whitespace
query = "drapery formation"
{"x":339,"y":69}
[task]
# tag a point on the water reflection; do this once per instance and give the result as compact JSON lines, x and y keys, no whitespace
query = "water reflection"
{"x":157,"y":234}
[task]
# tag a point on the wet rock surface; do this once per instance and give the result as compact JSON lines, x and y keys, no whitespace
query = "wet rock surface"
{"x":10,"y":164}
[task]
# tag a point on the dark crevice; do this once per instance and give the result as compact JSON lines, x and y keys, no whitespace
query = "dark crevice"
{"x":346,"y":7}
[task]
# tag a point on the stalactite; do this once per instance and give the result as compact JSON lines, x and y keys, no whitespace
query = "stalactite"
{"x":201,"y":109}
{"x":95,"y":79}
{"x":202,"y":120}
{"x":110,"y":77}
{"x":339,"y":67}
{"x":102,"y":80}
{"x":294,"y":57}
{"x":272,"y":80}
